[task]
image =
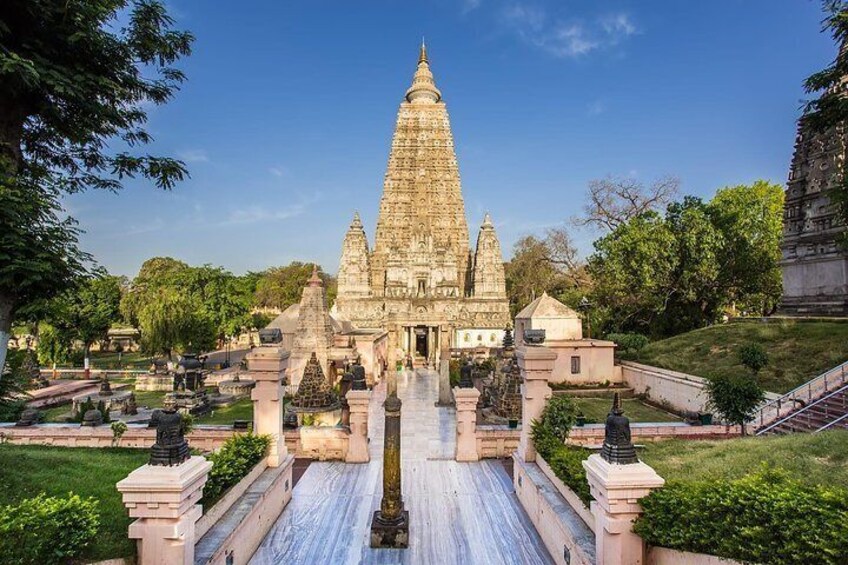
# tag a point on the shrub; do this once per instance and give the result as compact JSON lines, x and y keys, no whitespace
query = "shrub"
{"x":119,"y":428}
{"x":47,"y":530}
{"x":558,"y":418}
{"x":233,"y":462}
{"x":629,"y":344}
{"x":84,"y":407}
{"x":735,"y":397}
{"x":567,"y":464}
{"x":761,"y":518}
{"x":455,"y":365}
{"x":101,"y":407}
{"x":753,"y":356}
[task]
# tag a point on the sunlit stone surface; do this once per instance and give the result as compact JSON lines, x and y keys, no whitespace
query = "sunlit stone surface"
{"x":459,"y":512}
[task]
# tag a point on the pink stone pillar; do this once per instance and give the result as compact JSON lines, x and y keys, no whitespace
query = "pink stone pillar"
{"x":466,"y":423}
{"x":617,"y":490}
{"x":357,"y":448}
{"x":165,"y":502}
{"x":267,"y":366}
{"x":537,"y":367}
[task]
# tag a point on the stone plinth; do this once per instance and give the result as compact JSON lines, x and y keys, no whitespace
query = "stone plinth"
{"x":154,"y":382}
{"x":237,"y":388}
{"x":466,"y":423}
{"x":445,"y":398}
{"x":617,"y":490}
{"x":357,"y":450}
{"x":267,"y":368}
{"x":164,"y":501}
{"x":117,"y":400}
{"x":536,"y":364}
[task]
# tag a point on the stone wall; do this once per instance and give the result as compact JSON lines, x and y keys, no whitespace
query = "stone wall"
{"x":496,"y":442}
{"x":678,"y":391}
{"x":596,"y":361}
{"x":593,"y":434}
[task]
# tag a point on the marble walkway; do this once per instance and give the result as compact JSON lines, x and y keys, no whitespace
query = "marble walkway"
{"x":459,"y":512}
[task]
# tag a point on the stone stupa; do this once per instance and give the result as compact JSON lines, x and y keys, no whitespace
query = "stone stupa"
{"x":315,"y":402}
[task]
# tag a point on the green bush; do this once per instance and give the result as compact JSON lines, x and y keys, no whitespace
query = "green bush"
{"x":567,"y":464}
{"x":47,"y":530}
{"x":233,"y":462}
{"x":84,"y":407}
{"x":455,"y":365}
{"x":753,"y":356}
{"x":557,"y":419}
{"x":735,"y":397}
{"x":764,"y":517}
{"x":629,"y":344}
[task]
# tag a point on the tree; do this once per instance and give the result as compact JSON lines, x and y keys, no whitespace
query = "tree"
{"x":735,"y":398}
{"x":72,"y":81}
{"x":615,"y":201}
{"x":170,"y":319}
{"x":87,"y":311}
{"x":280,"y":287}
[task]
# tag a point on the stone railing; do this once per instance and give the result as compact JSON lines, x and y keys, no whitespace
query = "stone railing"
{"x":496,"y":442}
{"x":64,"y":435}
{"x":592,"y":435}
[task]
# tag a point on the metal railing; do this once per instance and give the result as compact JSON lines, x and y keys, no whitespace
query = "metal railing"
{"x":833,"y":423}
{"x":806,"y":410}
{"x":802,"y":396}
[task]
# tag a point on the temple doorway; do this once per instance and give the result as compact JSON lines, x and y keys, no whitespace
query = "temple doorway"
{"x":422,"y":342}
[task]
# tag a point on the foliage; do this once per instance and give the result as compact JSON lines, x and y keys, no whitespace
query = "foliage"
{"x":753,"y":356}
{"x":86,"y":311}
{"x":186,"y":423}
{"x":101,"y":407}
{"x":664,"y":275}
{"x":628,"y":344}
{"x":84,"y":407}
{"x":280,"y":287}
{"x":54,"y":345}
{"x":567,"y":464}
{"x":233,"y":462}
{"x":12,"y":385}
{"x":735,"y":397}
{"x":764,"y":517}
{"x":454,"y":366}
{"x":119,"y":428}
{"x":552,"y":429}
{"x":47,"y":529}
{"x":74,"y":76}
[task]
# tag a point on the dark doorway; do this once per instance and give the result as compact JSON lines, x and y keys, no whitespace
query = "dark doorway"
{"x":421,"y":342}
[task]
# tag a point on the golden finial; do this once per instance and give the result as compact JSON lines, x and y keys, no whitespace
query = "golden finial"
{"x":422,"y":57}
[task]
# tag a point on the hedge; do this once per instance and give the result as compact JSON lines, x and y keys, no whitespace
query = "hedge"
{"x":47,"y":530}
{"x":233,"y":462}
{"x":764,"y":517}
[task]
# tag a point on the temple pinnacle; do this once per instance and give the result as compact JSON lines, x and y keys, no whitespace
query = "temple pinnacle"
{"x":422,"y":56}
{"x":315,"y":280}
{"x":423,"y":89}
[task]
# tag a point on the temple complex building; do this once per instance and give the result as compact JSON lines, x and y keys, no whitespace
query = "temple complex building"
{"x":814,"y":264}
{"x":421,"y":281}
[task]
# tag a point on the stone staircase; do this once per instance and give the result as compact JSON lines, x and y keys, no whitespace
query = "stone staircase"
{"x":828,"y":409}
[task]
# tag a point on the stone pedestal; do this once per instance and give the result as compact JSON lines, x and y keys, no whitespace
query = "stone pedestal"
{"x":466,"y":423}
{"x":537,"y":365}
{"x":165,"y":502}
{"x":267,"y":367}
{"x":357,"y":449}
{"x":617,"y":490}
{"x":445,"y":398}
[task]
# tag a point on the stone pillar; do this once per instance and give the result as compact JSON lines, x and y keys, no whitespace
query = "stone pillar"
{"x":165,"y":502}
{"x":445,"y":398}
{"x":390,"y":524}
{"x":267,"y":366}
{"x":537,"y":366}
{"x":357,"y":448}
{"x":466,"y":423}
{"x":617,"y":490}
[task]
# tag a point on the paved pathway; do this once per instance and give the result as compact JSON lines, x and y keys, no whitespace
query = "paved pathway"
{"x":463,"y":513}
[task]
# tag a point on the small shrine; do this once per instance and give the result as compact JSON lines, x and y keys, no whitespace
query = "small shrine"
{"x":315,"y":400}
{"x":158,"y":378}
{"x":189,"y":396}
{"x":120,"y":399}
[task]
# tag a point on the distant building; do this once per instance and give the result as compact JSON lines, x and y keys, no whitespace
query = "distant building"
{"x":422,"y":282}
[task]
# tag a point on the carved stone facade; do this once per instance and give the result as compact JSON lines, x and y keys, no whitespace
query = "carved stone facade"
{"x":815,"y":268}
{"x":421,"y":282}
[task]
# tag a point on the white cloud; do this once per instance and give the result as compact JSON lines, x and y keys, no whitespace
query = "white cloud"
{"x":279,"y":172}
{"x":194,"y":156}
{"x":618,"y":26}
{"x":255,"y":214}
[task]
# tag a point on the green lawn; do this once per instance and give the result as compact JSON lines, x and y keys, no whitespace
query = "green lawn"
{"x":815,"y":459}
{"x":241,"y":409}
{"x":596,"y":409}
{"x":797,"y":350}
{"x":27,"y":470}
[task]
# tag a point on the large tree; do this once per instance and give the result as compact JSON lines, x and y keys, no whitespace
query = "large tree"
{"x":75,"y":78}
{"x":87,"y":311}
{"x":614,"y":201}
{"x":280,"y":287}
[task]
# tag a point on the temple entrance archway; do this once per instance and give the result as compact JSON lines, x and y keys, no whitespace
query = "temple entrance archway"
{"x":422,"y":334}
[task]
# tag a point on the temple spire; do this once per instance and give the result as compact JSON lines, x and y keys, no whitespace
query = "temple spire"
{"x":423,"y":89}
{"x":422,"y":56}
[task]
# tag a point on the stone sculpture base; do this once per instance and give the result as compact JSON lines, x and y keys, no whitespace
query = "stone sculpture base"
{"x":390,"y":536}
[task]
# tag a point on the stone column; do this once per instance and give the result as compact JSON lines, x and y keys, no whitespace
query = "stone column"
{"x":445,"y":398}
{"x":357,"y":448}
{"x":165,"y":502}
{"x":466,"y":423}
{"x":617,"y":490}
{"x":390,"y":524}
{"x":537,"y":365}
{"x":267,"y":366}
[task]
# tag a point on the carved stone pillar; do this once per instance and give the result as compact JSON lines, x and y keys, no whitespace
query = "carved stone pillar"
{"x":164,"y":499}
{"x":390,"y":524}
{"x":357,"y":449}
{"x":267,"y":366}
{"x":537,"y":366}
{"x":466,"y":423}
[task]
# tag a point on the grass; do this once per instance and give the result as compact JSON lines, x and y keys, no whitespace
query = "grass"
{"x":27,"y":470}
{"x":814,"y":459}
{"x":797,"y":350}
{"x":596,"y":409}
{"x":241,"y":409}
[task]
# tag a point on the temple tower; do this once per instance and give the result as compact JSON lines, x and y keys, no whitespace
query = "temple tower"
{"x":489,"y":278}
{"x":354,"y":269}
{"x":314,"y":329}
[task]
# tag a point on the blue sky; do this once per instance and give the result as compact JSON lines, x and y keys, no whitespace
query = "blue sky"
{"x":287,"y":116}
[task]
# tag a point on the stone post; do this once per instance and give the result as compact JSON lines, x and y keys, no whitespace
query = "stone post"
{"x":267,"y":366}
{"x":537,"y":365}
{"x":445,"y":398}
{"x":617,"y":490}
{"x":165,"y":502}
{"x":357,"y":448}
{"x":390,"y":524}
{"x":466,"y":423}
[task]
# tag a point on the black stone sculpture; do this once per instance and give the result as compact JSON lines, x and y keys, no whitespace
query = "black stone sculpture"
{"x":465,"y":375}
{"x":359,"y":382}
{"x":534,"y":337}
{"x":171,"y":447}
{"x":617,"y":448}
{"x":270,"y":336}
